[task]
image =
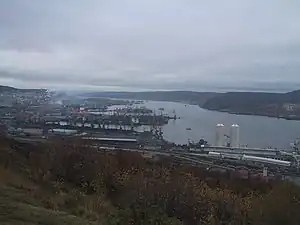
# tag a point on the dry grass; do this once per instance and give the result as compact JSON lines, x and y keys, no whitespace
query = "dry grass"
{"x":22,"y":203}
{"x":68,"y":184}
{"x":13,"y":212}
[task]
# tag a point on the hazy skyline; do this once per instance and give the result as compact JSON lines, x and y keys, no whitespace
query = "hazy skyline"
{"x":150,"y":44}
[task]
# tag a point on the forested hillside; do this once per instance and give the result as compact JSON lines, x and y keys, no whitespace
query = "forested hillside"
{"x":267,"y":104}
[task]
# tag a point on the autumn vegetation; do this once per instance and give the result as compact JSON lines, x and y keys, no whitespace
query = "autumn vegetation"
{"x":63,"y":183}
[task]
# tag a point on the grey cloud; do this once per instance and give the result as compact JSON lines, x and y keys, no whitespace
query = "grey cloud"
{"x":151,"y":44}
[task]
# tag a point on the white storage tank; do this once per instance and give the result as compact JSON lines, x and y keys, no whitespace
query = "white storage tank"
{"x":220,"y":135}
{"x":235,"y":136}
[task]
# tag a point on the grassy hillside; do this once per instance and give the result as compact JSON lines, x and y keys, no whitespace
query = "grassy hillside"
{"x":63,"y":183}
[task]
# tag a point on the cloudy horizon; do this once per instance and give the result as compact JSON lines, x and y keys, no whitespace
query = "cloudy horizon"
{"x":150,"y":44}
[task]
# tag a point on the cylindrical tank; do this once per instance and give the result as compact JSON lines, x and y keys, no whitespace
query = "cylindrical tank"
{"x":220,"y":135}
{"x":235,"y":136}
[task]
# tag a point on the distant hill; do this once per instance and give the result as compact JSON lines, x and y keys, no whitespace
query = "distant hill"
{"x":12,"y":89}
{"x":293,"y":96}
{"x":236,"y":99}
{"x":284,"y":105}
{"x":190,"y":97}
{"x":242,"y":99}
{"x":7,"y":89}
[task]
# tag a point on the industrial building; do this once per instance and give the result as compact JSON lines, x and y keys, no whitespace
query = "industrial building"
{"x":118,"y":142}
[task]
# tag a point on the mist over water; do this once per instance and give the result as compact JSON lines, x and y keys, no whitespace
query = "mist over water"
{"x":255,"y":131}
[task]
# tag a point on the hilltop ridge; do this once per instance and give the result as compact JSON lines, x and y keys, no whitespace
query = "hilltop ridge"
{"x":4,"y":88}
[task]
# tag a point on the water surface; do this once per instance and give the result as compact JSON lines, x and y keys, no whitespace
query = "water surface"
{"x":255,"y":131}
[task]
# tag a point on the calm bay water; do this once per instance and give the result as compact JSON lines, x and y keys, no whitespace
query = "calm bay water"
{"x":255,"y":131}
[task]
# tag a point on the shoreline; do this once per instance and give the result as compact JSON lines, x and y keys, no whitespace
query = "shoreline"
{"x":223,"y":111}
{"x":253,"y":114}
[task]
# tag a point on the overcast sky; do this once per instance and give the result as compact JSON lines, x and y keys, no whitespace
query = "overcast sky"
{"x":149,"y":44}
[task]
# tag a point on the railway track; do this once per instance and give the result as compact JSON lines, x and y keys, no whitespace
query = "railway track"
{"x":190,"y":157}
